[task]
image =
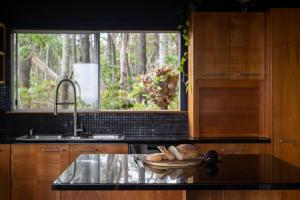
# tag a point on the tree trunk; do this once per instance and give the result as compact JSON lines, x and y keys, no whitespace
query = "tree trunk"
{"x":154,"y":56}
{"x":85,"y":48}
{"x":65,"y":69}
{"x":47,"y":59}
{"x":73,"y":56}
{"x":111,"y":54}
{"x":24,"y":70}
{"x":141,"y":53}
{"x":163,"y":49}
{"x":123,"y":60}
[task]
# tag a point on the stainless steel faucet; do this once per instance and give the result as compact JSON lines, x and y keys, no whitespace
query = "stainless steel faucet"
{"x":68,"y":103}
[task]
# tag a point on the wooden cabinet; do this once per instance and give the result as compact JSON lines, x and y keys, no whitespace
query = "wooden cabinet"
{"x":226,"y":108}
{"x":236,"y":148}
{"x":5,"y":172}
{"x":235,"y":195}
{"x":210,"y":46}
{"x":227,"y":74}
{"x":124,"y":195}
{"x":3,"y":52}
{"x":247,"y":45}
{"x":35,"y":167}
{"x":228,"y":46}
{"x":77,"y":149}
{"x":285,"y":39}
{"x":286,"y":83}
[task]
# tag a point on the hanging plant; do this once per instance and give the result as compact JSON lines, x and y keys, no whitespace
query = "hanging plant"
{"x":189,"y":7}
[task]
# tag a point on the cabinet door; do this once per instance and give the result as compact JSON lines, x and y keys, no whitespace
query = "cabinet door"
{"x":5,"y":172}
{"x":210,"y":45}
{"x":286,"y":88}
{"x":247,"y":45}
{"x":286,"y":84}
{"x":77,"y":149}
{"x":236,"y":148}
{"x":124,"y":195}
{"x":35,"y":167}
{"x":251,"y":195}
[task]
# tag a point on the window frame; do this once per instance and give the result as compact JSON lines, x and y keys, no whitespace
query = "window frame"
{"x":14,"y":69}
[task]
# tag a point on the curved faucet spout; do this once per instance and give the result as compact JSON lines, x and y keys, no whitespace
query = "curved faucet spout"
{"x":67,"y":103}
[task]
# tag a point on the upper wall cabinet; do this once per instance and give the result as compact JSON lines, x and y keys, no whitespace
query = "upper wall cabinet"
{"x":247,"y":45}
{"x":210,"y":45}
{"x":228,"y":45}
{"x":2,"y":52}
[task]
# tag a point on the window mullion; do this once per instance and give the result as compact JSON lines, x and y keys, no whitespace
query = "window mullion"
{"x":97,"y":48}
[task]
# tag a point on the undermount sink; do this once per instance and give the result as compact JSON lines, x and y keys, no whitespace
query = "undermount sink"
{"x":66,"y":138}
{"x":96,"y":137}
{"x":39,"y":137}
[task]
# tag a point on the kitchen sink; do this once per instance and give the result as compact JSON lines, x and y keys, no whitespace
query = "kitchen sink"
{"x":39,"y":137}
{"x":96,"y":137}
{"x":67,"y":138}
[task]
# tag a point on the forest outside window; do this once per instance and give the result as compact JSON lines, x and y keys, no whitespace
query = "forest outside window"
{"x":111,"y":70}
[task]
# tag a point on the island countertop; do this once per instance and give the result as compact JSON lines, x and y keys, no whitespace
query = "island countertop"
{"x":233,"y":172}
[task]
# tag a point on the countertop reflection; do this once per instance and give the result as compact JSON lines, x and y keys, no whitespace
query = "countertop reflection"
{"x":121,"y":171}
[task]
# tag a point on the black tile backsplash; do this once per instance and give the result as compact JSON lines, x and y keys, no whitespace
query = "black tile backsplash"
{"x":2,"y":104}
{"x":2,"y":97}
{"x":130,"y":124}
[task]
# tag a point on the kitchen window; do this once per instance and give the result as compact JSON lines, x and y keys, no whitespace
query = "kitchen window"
{"x":111,"y":70}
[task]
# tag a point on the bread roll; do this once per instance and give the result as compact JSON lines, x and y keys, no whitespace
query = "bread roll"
{"x":166,"y":152}
{"x":184,"y":151}
{"x":155,"y":157}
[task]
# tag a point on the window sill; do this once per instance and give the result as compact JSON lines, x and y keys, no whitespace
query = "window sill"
{"x":94,"y":111}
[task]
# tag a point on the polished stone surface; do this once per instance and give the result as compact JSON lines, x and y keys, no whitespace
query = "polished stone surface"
{"x":122,"y":172}
{"x":9,"y":137}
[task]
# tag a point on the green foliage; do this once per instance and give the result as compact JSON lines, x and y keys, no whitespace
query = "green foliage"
{"x":40,"y":95}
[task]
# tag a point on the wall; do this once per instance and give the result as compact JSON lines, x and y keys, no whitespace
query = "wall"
{"x":105,"y":15}
{"x":130,"y":124}
{"x":93,"y":15}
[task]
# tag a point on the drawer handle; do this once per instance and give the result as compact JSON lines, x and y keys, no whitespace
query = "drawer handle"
{"x":213,"y":74}
{"x":53,"y":150}
{"x":244,"y":74}
{"x":287,"y":141}
{"x":0,"y":150}
{"x":88,"y":150}
{"x":232,"y":150}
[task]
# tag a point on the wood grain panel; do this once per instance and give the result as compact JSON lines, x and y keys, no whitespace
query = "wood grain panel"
{"x":286,"y":83}
{"x":77,"y":149}
{"x":248,"y":45}
{"x":124,"y":195}
{"x":5,"y":172}
{"x":205,"y":195}
{"x":210,"y":45}
{"x":236,"y":148}
{"x":252,"y":195}
{"x":229,"y":111}
{"x":285,"y":36}
{"x":35,"y":167}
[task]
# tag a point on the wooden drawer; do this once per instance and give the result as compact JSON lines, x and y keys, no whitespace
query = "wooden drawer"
{"x":236,"y":148}
{"x":4,"y":171}
{"x":77,"y":149}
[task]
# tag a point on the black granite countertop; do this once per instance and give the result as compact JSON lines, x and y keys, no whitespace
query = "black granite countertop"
{"x":233,"y":172}
{"x":9,"y":137}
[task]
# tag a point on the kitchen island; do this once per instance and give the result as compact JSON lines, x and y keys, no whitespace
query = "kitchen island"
{"x":102,"y":175}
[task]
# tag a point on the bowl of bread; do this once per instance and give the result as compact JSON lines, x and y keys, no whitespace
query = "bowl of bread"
{"x":174,"y":156}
